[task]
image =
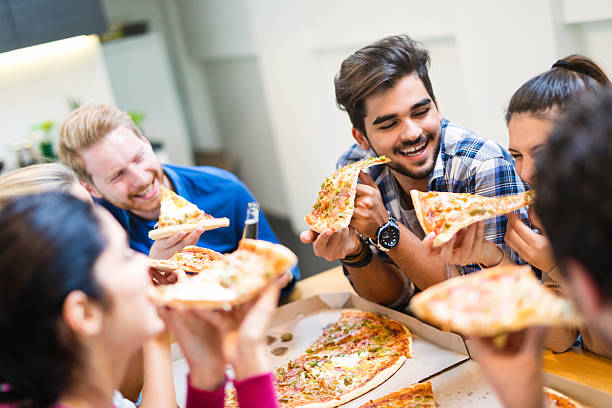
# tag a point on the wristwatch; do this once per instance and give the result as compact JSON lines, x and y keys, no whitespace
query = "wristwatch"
{"x":388,"y":235}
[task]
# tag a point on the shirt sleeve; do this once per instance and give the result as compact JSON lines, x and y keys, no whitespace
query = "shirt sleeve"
{"x":256,"y":392}
{"x":197,"y":398}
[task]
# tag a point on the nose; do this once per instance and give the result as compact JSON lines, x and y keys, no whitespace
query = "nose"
{"x":528,"y":171}
{"x":410,"y":130}
{"x":139,"y":176}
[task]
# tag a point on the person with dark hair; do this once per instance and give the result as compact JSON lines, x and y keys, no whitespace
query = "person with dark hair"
{"x":530,"y":117}
{"x":574,"y":203}
{"x":386,"y":91}
{"x":74,"y":308}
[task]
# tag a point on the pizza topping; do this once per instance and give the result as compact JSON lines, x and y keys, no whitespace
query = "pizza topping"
{"x":492,"y":302}
{"x":445,"y":213}
{"x":335,"y":204}
{"x":235,"y":278}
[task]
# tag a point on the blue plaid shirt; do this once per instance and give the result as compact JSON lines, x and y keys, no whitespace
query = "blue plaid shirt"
{"x":466,"y":164}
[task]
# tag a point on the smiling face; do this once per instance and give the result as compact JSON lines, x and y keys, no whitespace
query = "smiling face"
{"x":527,"y":134}
{"x":403,"y":123}
{"x":125,"y":172}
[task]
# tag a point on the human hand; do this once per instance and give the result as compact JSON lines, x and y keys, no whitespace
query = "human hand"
{"x":530,"y":246}
{"x":243,"y":330}
{"x":202,"y":346}
{"x":166,"y":277}
{"x":332,"y":245}
{"x":370,"y":211}
{"x":166,"y":247}
{"x":515,"y":370}
{"x":467,"y":246}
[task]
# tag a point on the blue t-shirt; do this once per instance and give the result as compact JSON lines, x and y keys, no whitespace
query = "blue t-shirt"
{"x":214,"y":191}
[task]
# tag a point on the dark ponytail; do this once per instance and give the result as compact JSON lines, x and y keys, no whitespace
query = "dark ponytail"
{"x":568,"y":78}
{"x":49,"y":244}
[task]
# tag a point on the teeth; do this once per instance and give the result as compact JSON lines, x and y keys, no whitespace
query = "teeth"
{"x":413,"y":149}
{"x":145,"y":192}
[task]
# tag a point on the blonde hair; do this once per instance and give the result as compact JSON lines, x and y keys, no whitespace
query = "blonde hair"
{"x":36,"y":179}
{"x":85,"y":127}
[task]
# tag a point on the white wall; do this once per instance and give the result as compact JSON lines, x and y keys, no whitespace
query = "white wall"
{"x":139,"y":71}
{"x":35,"y":83}
{"x":267,"y":68}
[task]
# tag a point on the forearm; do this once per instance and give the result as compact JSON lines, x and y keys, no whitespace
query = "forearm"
{"x":379,"y":281}
{"x":158,"y":388}
{"x":413,"y":259}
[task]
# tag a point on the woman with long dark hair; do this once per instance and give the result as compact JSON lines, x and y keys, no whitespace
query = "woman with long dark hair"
{"x":74,"y":308}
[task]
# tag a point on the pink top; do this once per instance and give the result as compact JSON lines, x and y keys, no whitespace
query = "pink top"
{"x":253,"y":392}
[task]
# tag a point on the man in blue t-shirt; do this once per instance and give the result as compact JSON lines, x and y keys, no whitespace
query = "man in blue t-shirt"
{"x":116,"y":164}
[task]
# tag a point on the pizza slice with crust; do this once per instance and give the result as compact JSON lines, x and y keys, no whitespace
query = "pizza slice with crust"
{"x":336,"y":202}
{"x":556,"y":399}
{"x":231,"y":280}
{"x":418,"y":395}
{"x":446,"y":213}
{"x":177,"y":214}
{"x":492,"y":302}
{"x":192,"y":259}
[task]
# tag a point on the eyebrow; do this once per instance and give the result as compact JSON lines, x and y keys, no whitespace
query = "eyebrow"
{"x":112,"y":176}
{"x":384,"y":118}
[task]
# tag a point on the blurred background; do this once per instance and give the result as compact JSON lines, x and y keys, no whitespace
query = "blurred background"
{"x":247,"y":85}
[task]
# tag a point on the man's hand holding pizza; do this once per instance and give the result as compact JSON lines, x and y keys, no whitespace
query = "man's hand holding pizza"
{"x":332,"y":245}
{"x":164,"y":248}
{"x":370,"y":211}
{"x":468,"y":246}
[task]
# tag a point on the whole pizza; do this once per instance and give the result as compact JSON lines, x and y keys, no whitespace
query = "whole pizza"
{"x":352,"y":356}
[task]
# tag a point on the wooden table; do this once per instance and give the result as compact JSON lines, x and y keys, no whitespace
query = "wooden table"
{"x":577,"y":365}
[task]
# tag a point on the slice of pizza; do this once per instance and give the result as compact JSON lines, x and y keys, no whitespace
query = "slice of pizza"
{"x":192,"y":259}
{"x":492,"y":302}
{"x":415,"y":396}
{"x":234,"y":279}
{"x":336,"y":202}
{"x":351,"y":357}
{"x":177,"y":214}
{"x":446,"y":213}
{"x":557,"y":399}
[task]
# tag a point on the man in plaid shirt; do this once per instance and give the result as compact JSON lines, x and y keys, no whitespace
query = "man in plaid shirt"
{"x":385,"y":89}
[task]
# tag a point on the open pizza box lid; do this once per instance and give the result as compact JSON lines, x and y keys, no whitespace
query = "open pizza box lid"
{"x":433,"y":350}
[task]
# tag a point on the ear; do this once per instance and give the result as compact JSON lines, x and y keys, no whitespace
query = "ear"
{"x":361,"y":139}
{"x":91,"y":189}
{"x":82,"y":315}
{"x":585,"y":291}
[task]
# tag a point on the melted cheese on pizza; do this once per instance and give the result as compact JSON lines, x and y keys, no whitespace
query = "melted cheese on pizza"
{"x":175,"y":210}
{"x":336,"y":201}
{"x":347,"y":355}
{"x":414,"y":396}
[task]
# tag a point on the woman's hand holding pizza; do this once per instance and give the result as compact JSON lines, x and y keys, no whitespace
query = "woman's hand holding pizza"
{"x":332,"y":245}
{"x":467,"y":246}
{"x":530,"y":246}
{"x":370,"y":211}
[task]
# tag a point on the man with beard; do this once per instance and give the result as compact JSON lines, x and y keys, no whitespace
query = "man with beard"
{"x":386,"y":91}
{"x":116,"y":164}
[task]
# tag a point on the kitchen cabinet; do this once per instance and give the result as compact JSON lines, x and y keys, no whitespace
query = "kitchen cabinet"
{"x":29,"y":22}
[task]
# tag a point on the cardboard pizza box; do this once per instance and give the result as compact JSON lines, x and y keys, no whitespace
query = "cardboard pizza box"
{"x":434,"y":350}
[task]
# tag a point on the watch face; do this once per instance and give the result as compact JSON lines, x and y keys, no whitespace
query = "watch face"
{"x":389,"y":236}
